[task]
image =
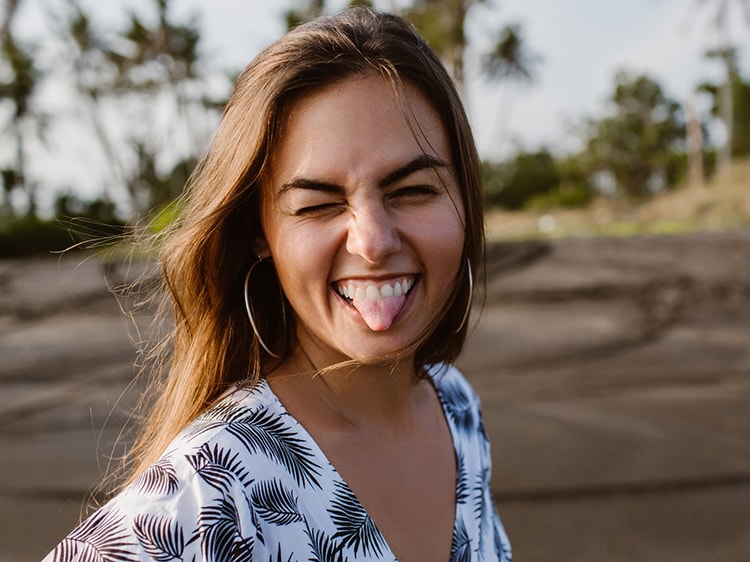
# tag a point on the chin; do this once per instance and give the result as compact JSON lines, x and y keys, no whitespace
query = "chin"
{"x":383,"y":351}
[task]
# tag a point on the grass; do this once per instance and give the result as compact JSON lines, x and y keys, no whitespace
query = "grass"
{"x":723,"y":203}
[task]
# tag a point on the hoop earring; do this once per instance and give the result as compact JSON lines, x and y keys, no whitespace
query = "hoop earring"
{"x":249,"y":310}
{"x":471,"y":298}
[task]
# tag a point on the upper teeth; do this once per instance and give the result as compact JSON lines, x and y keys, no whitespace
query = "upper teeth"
{"x":372,"y":293}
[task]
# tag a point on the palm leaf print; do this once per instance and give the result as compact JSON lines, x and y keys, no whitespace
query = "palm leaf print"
{"x":353,"y":525}
{"x":225,"y":411}
{"x":218,"y":416}
{"x":101,"y":538}
{"x":461,"y":547}
{"x":218,"y":467}
{"x":159,"y":478}
{"x":161,"y":537}
{"x":275,"y":504}
{"x":480,"y":503}
{"x":255,"y":521}
{"x":279,"y":556}
{"x":264,"y":432}
{"x":458,"y":405}
{"x":462,"y":479}
{"x":324,"y":549}
{"x":502,"y":547}
{"x":480,"y":487}
{"x":219,"y":527}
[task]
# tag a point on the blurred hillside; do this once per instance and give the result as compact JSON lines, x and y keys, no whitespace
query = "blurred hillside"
{"x":723,"y":203}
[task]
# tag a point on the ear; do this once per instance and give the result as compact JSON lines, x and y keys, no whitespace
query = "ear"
{"x":261,"y":247}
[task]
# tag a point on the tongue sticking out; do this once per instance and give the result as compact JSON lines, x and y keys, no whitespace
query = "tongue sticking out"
{"x":379,"y":314}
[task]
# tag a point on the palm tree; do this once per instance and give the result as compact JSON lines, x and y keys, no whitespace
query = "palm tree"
{"x":162,"y":59}
{"x":19,"y":90}
{"x":722,"y":23}
{"x":304,"y":11}
{"x":11,"y":6}
{"x":510,"y":59}
{"x":309,"y":9}
{"x":442,"y":23}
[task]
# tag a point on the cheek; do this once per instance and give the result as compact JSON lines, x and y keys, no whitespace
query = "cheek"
{"x":444,"y":229}
{"x":441,"y":243}
{"x":303,"y":261}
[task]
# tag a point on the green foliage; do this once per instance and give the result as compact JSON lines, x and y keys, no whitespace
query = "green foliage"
{"x":741,"y":125}
{"x":29,"y":235}
{"x":24,"y":76}
{"x":142,"y":67}
{"x":305,"y":11}
{"x":442,"y":24}
{"x":513,"y":183}
{"x":17,"y":64}
{"x":68,"y":205}
{"x":165,"y":53}
{"x":573,"y":190}
{"x":634,"y":144}
{"x":77,"y":221}
{"x":151,"y":187}
{"x":89,"y":222}
{"x":740,"y":109}
{"x":310,"y":9}
{"x":510,"y":58}
{"x":568,"y":195}
{"x":165,"y":215}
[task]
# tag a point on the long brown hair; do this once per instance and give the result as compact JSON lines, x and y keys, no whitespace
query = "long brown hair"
{"x":208,"y":252}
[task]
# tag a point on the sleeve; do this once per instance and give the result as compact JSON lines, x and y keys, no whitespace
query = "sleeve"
{"x":185,"y":507}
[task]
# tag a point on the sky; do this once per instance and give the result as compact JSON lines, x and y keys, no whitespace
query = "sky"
{"x":580,"y":45}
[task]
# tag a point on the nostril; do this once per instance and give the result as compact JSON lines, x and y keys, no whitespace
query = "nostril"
{"x":374,"y":235}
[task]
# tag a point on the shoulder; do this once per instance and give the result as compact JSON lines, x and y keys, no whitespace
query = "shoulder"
{"x":245,"y":437}
{"x":444,"y":374}
{"x":457,"y":395}
{"x":199,"y":494}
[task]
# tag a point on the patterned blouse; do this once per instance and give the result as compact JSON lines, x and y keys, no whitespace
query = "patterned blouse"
{"x":245,"y":482}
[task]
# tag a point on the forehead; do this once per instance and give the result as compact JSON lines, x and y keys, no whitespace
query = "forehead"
{"x":356,"y":128}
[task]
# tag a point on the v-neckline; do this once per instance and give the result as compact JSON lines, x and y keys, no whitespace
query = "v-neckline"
{"x":339,"y":480}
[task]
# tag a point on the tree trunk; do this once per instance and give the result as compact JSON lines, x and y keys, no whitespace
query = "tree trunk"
{"x":726,"y":110}
{"x":694,"y":144}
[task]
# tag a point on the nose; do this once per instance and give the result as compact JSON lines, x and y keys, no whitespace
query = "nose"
{"x":373,"y":233}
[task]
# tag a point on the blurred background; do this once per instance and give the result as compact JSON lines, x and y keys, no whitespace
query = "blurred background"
{"x":613,"y":353}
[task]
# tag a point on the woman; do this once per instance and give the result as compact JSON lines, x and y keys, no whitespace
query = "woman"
{"x":321,"y":280}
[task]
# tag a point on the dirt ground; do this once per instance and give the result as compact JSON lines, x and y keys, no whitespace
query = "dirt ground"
{"x":614,"y":374}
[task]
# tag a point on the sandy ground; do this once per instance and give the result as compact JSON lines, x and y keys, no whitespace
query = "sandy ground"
{"x":614,"y":374}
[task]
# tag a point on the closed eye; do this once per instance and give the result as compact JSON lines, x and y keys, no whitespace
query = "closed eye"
{"x":323,"y":209}
{"x":413,"y":192}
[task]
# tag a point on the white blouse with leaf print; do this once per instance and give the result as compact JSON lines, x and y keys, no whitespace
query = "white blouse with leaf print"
{"x":245,"y":482}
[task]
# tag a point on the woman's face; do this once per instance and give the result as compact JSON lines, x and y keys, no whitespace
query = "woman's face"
{"x":363,"y":218}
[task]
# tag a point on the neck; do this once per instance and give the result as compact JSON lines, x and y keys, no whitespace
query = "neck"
{"x":385,"y":394}
{"x":373,"y":393}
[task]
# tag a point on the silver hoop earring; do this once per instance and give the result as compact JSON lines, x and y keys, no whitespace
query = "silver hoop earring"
{"x":249,"y":310}
{"x":471,"y":298}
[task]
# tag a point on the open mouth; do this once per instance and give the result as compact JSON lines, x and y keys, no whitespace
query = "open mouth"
{"x":378,"y":303}
{"x":373,"y":291}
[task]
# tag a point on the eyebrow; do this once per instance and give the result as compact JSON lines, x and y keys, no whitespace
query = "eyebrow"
{"x":419,"y":163}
